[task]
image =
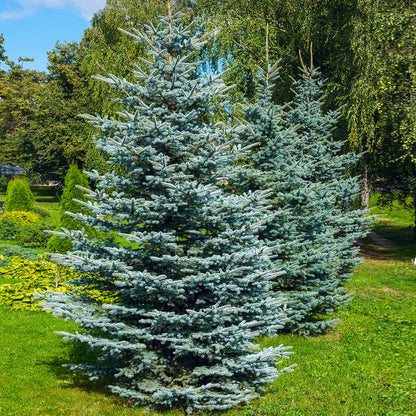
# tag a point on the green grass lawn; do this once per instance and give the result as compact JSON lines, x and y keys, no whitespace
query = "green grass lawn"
{"x":365,"y":366}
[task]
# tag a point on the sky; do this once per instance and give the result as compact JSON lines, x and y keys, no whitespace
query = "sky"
{"x":32,"y":27}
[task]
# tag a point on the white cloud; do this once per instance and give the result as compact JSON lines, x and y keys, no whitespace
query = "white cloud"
{"x":87,"y":8}
{"x":31,"y":4}
{"x":17,"y":14}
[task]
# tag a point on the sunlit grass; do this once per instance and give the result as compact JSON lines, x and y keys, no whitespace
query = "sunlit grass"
{"x":395,"y":214}
{"x":365,"y":366}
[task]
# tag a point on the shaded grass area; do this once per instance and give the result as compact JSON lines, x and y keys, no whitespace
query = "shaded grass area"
{"x":40,"y":192}
{"x":365,"y":366}
{"x":395,"y":223}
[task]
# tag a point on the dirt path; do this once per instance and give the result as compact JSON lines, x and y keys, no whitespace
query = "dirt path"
{"x":381,"y":242}
{"x":377,"y":248}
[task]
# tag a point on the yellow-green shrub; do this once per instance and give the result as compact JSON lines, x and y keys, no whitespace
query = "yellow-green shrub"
{"x":12,"y":222}
{"x":20,"y":217}
{"x":38,"y":276}
{"x":30,"y":277}
{"x":26,"y":228}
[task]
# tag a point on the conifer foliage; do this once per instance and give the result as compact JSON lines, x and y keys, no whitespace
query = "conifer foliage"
{"x":191,"y":277}
{"x":70,"y":195}
{"x":313,"y":230}
{"x":326,"y":225}
{"x":19,"y":196}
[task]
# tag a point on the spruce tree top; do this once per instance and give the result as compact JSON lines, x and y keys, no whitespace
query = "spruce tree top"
{"x":190,"y":276}
{"x":269,"y":141}
{"x":317,"y":147}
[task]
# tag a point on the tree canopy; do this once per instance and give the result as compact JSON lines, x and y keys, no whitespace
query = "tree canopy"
{"x":364,"y":48}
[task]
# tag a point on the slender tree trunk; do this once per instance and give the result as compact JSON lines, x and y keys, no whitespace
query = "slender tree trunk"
{"x":365,"y":189}
{"x":169,"y":4}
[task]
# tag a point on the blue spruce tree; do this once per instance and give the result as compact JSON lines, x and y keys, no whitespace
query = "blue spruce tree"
{"x":313,"y":230}
{"x":328,"y":226}
{"x":191,"y":278}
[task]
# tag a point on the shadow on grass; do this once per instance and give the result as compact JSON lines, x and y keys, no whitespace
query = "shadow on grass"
{"x":79,"y":353}
{"x":46,"y":199}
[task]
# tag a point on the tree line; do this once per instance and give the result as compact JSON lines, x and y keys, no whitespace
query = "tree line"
{"x":364,"y":48}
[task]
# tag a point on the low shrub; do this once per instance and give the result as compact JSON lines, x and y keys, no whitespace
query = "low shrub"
{"x":59,"y":245}
{"x":8,"y":229}
{"x":23,"y":227}
{"x":4,"y":261}
{"x":39,"y":276}
{"x":31,"y":276}
{"x":32,"y":236}
{"x":20,"y":217}
{"x":7,"y":250}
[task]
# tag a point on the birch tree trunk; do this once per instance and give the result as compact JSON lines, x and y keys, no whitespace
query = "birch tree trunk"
{"x":365,"y":189}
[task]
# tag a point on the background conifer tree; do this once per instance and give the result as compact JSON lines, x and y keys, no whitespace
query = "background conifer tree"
{"x":326,"y":225}
{"x":191,"y":278}
{"x":70,"y":195}
{"x":19,"y":197}
{"x":313,"y":230}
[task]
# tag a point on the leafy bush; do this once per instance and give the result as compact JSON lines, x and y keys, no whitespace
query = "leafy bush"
{"x":20,"y":217}
{"x":14,"y":223}
{"x":4,"y":261}
{"x":8,"y":229}
{"x":23,"y":227}
{"x":37,"y":277}
{"x":58,"y":244}
{"x":31,"y":276}
{"x":32,"y":236}
{"x":19,"y":197}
